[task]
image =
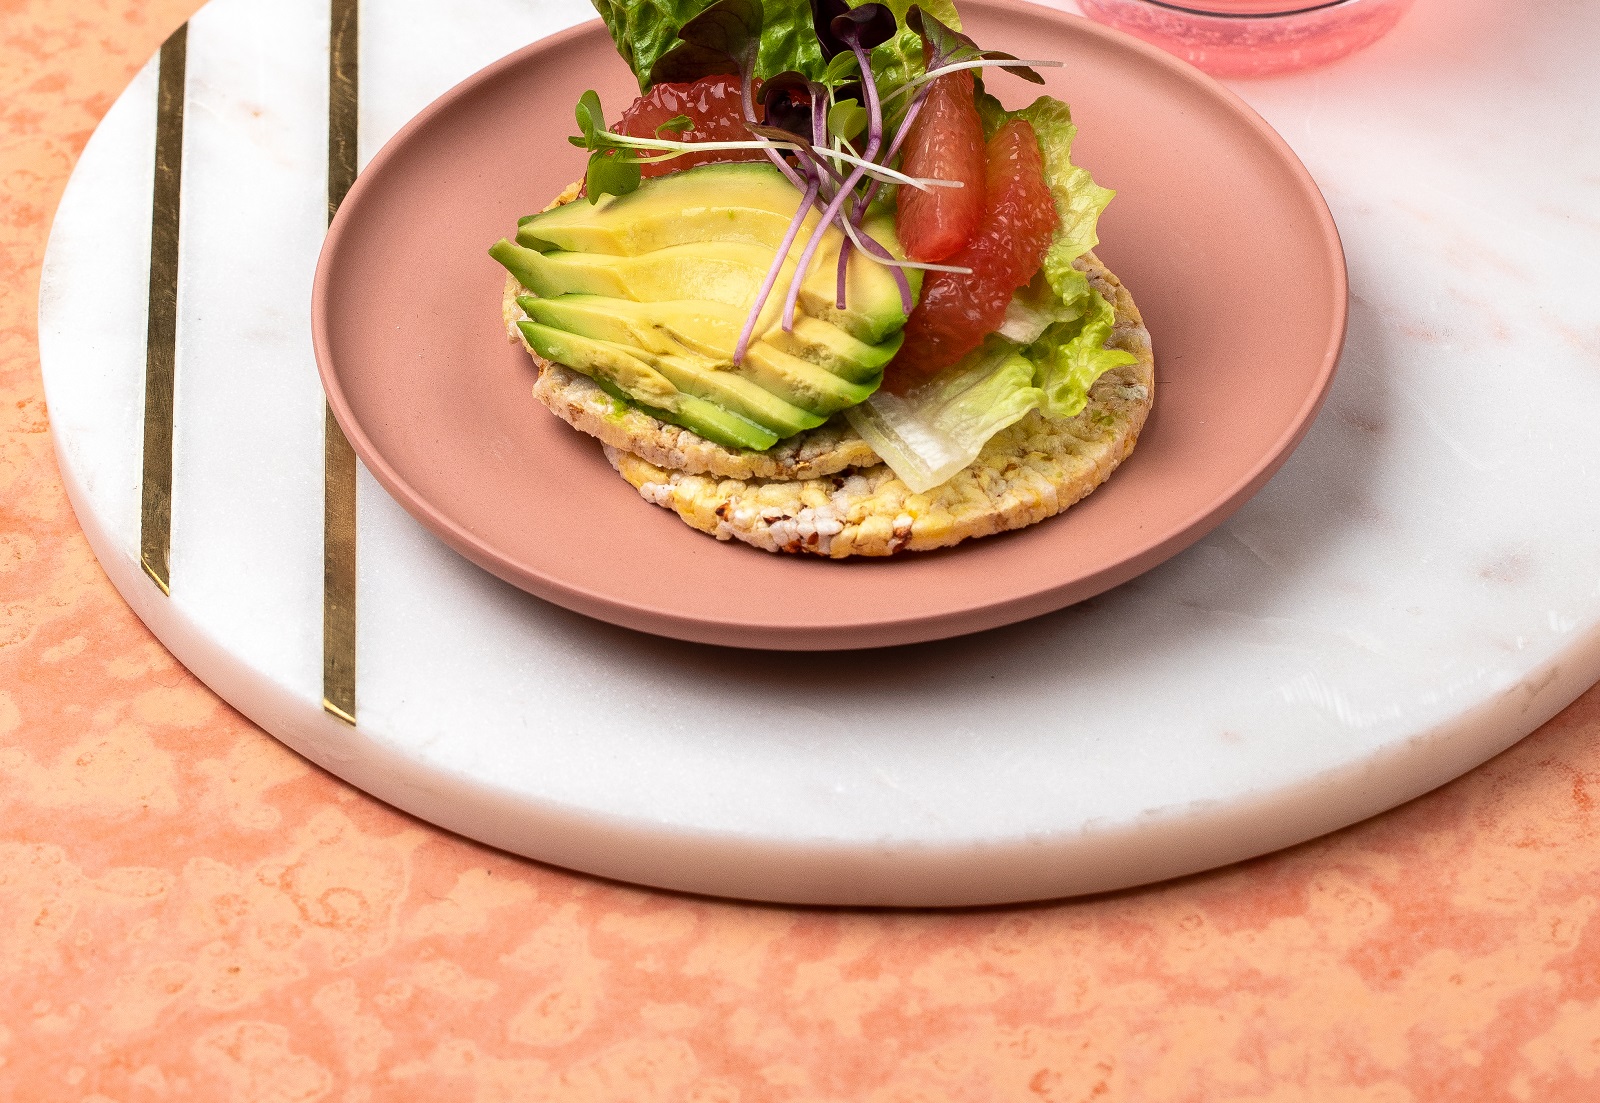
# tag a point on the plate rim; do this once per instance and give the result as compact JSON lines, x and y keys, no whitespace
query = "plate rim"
{"x":947,"y":622}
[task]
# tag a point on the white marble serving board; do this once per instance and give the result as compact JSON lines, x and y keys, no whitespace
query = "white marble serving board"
{"x":1417,"y":589}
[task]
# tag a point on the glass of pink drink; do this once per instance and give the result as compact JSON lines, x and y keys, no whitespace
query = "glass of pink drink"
{"x":1246,"y":38}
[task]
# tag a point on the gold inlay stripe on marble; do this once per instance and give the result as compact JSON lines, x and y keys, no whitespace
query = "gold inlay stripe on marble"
{"x":338,"y":573}
{"x":339,"y":460}
{"x":161,"y":333}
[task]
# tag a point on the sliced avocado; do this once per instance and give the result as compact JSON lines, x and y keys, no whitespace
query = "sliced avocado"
{"x":821,"y":381}
{"x":623,"y":375}
{"x":699,"y":416}
{"x":520,"y":262}
{"x":711,"y":329}
{"x":721,"y":271}
{"x":720,"y":426}
{"x":747,"y":202}
{"x":648,"y":294}
{"x":732,"y":391}
{"x":803,"y":383}
{"x":828,"y":346}
{"x":600,"y":360}
{"x":874,"y":309}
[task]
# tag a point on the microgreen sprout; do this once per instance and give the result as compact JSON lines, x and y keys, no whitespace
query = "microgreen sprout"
{"x":847,"y":119}
{"x":807,"y":199}
{"x":626,"y":149}
{"x":981,"y":63}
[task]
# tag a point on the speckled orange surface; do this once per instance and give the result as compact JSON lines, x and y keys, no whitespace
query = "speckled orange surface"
{"x":190,"y":912}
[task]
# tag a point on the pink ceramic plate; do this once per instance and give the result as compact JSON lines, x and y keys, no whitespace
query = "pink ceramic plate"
{"x":1217,"y":230}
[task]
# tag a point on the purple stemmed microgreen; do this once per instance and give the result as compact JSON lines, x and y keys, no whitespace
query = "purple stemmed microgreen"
{"x":808,"y":198}
{"x":847,"y":120}
{"x":789,"y":142}
{"x":947,"y":46}
{"x":787,"y":101}
{"x":794,"y":107}
{"x":1018,"y":66}
{"x":861,"y":29}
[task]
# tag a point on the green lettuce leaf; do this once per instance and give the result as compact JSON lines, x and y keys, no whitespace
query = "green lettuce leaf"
{"x":643,"y":30}
{"x":1071,"y":355}
{"x":934,"y":431}
{"x":1037,"y":307}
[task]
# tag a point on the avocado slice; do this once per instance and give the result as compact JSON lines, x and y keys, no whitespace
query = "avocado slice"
{"x":734,"y":392}
{"x":802,"y":383}
{"x":723,"y":272}
{"x":746,"y":202}
{"x":623,"y":375}
{"x":828,"y":346}
{"x":597,"y":359}
{"x":710,"y":329}
{"x":823,"y":381}
{"x":519,"y":261}
{"x":705,"y":418}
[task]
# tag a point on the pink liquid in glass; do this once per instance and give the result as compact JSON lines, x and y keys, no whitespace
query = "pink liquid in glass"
{"x":1243,"y":38}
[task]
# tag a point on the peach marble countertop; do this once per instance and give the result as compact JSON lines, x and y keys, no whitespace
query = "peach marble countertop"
{"x":189,"y":911}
